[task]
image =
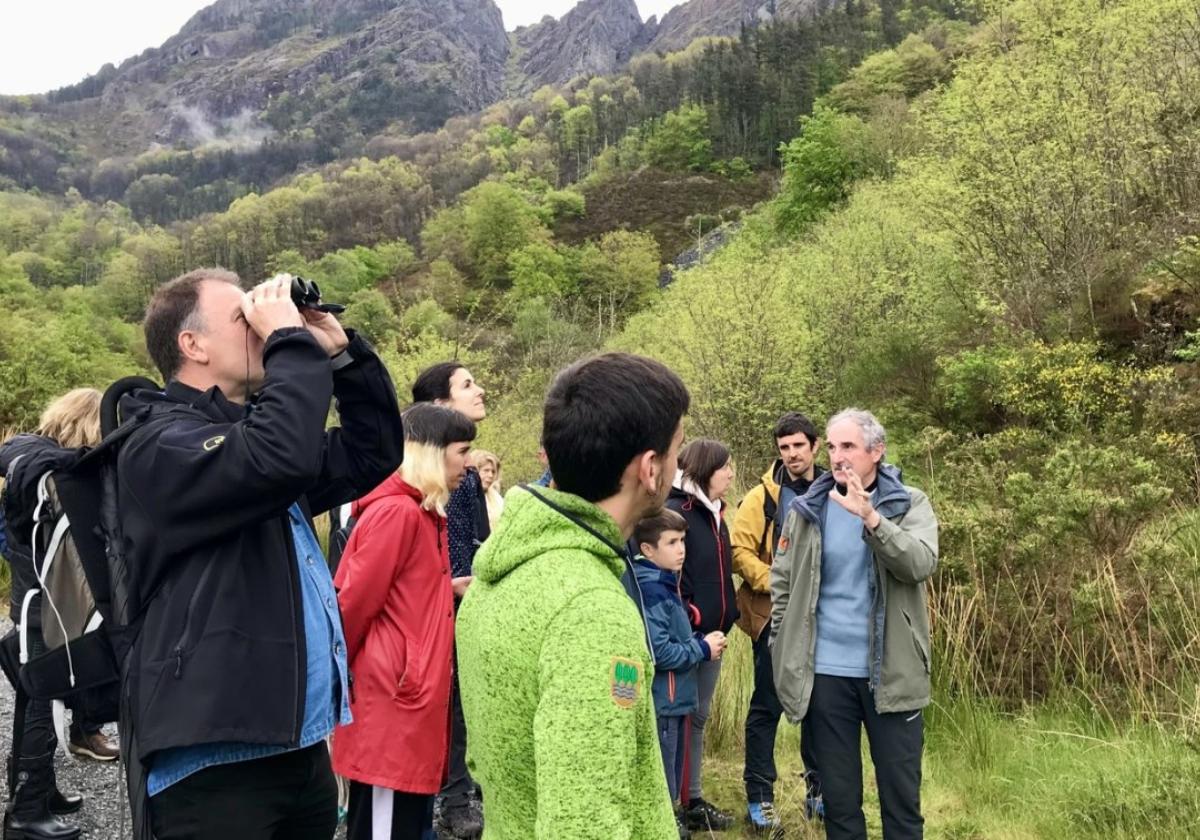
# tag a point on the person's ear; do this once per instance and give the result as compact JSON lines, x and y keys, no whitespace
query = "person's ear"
{"x":650,"y":472}
{"x":192,"y":346}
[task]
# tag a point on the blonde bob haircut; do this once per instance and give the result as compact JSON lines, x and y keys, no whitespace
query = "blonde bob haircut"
{"x":479,"y":457}
{"x":428,"y":431}
{"x":73,"y":420}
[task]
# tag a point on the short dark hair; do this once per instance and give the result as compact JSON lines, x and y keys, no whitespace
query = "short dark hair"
{"x":433,"y":383}
{"x":602,"y":412}
{"x":794,"y":423}
{"x":650,"y":529}
{"x":701,"y":458}
{"x":172,"y":310}
{"x":436,"y":425}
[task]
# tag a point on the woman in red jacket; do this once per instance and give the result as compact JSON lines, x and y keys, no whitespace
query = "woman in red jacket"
{"x":397,"y":601}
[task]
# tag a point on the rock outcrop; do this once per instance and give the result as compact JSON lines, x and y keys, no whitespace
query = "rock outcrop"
{"x":596,"y":37}
{"x":698,"y":18}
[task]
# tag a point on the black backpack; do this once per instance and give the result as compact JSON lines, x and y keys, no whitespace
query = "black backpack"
{"x":770,"y":509}
{"x":87,"y":592}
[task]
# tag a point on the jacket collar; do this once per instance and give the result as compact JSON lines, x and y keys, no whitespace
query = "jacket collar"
{"x":892,"y":498}
{"x":212,"y":403}
{"x":393,"y":485}
{"x":781,"y":478}
{"x":648,"y":573}
{"x":686,"y":485}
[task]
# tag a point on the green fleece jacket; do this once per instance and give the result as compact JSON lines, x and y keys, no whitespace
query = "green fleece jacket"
{"x":555,"y":678}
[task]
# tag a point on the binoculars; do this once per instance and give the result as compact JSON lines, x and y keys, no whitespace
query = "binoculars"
{"x":306,"y":294}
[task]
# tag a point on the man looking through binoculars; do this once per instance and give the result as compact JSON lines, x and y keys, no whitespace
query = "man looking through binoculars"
{"x":239,"y":670}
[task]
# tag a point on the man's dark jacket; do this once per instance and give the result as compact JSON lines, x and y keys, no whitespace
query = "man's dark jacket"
{"x":205,"y":486}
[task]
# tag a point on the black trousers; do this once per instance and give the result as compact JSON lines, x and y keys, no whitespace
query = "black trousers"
{"x":380,"y":814}
{"x":839,"y":710}
{"x":39,"y":738}
{"x":762,"y":724}
{"x":459,"y":784}
{"x":292,"y":796}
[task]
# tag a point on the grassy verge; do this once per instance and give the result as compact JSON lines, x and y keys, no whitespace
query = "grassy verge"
{"x":1047,"y":772}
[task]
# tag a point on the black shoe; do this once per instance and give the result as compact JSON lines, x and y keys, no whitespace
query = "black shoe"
{"x":684,"y":834}
{"x":46,"y":827}
{"x":462,"y":822}
{"x":65,"y":803}
{"x":29,"y":817}
{"x":704,"y":816}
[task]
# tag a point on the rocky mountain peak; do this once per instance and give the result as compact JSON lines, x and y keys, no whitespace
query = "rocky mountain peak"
{"x":595,"y":37}
{"x":698,"y":18}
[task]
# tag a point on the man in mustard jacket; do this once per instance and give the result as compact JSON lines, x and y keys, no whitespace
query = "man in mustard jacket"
{"x":850,"y":628}
{"x":755,"y":530}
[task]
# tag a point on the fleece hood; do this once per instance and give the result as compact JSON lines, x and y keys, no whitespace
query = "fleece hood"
{"x":557,"y":521}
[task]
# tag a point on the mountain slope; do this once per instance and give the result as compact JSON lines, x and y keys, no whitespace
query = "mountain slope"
{"x":371,"y":60}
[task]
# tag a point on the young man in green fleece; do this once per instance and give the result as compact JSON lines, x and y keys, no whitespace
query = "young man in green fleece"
{"x":553,"y":661}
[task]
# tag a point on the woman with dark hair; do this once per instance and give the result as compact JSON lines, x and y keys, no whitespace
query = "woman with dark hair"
{"x":451,"y":385}
{"x":706,"y":586}
{"x":397,"y":602}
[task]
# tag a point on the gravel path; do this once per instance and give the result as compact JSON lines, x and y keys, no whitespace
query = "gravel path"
{"x":99,"y":782}
{"x":105,"y":810}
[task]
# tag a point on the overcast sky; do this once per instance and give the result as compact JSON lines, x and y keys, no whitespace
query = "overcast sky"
{"x":46,"y":44}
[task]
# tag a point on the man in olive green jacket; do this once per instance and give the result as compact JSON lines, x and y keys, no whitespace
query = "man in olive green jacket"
{"x":850,"y":630}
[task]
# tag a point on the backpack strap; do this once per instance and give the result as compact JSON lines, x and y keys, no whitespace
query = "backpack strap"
{"x":769,"y":509}
{"x":61,"y":526}
{"x":110,"y":403}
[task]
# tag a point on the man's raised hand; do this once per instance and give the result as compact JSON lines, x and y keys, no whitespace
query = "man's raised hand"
{"x":327,"y":331}
{"x":855,"y":498}
{"x":268,"y":306}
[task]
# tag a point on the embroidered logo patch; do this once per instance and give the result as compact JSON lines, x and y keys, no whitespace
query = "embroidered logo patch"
{"x":784,"y":542}
{"x":213,"y":442}
{"x":626,"y":678}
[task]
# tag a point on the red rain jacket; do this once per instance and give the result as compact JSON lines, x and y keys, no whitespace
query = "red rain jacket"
{"x":398,"y":612}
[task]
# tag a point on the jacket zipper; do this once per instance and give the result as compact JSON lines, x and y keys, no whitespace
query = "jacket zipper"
{"x":187,"y":620}
{"x":720,"y":570}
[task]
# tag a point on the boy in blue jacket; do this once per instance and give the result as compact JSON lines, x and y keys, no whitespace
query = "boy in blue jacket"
{"x":677,"y":650}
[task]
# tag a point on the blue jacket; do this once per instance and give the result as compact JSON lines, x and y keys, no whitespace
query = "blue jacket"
{"x":677,"y":650}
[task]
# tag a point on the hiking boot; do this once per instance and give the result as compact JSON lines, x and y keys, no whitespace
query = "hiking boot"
{"x":95,"y":745}
{"x":814,"y":808}
{"x":764,"y":820}
{"x":704,"y":816}
{"x":684,"y":834}
{"x":29,"y":817}
{"x":64,"y":803}
{"x":462,"y":822}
